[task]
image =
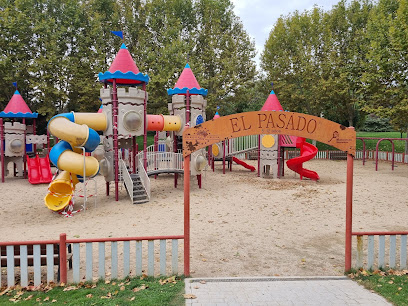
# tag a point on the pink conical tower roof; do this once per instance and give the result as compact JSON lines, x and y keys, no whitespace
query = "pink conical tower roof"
{"x":17,"y":105}
{"x":124,"y":70}
{"x":124,"y":62}
{"x":217,"y":115}
{"x":272,"y":103}
{"x":187,"y":79}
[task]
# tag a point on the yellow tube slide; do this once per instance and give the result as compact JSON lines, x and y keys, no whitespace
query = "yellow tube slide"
{"x":96,"y":121}
{"x":60,"y":191}
{"x":77,"y":133}
{"x":74,"y":163}
{"x":69,"y":131}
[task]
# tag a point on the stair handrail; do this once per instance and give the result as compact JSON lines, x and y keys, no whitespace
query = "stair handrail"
{"x":144,"y":178}
{"x":126,"y":178}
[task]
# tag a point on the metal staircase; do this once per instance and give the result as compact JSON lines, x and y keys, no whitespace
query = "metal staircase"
{"x":139,"y":192}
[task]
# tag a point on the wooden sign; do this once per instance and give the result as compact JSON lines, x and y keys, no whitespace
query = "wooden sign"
{"x":269,"y":122}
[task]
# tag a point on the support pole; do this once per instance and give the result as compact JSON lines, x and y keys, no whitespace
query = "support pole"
{"x":188,"y":107}
{"x":63,"y":258}
{"x":115,"y":137}
{"x":156,"y":150}
{"x":187,"y":216}
{"x":25,"y":150}
{"x":2,"y":149}
{"x":223,"y":157}
{"x":199,"y":180}
{"x":175,"y":151}
{"x":145,"y":128}
{"x":48,"y":142}
{"x":259,"y":155}
{"x":134,"y":152}
{"x":35,"y":133}
{"x":349,"y":211}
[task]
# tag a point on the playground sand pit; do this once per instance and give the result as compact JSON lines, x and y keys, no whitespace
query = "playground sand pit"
{"x":241,"y":225}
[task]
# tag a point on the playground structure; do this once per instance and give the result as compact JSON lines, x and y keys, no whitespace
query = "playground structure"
{"x":18,"y":140}
{"x":270,"y":147}
{"x":122,"y":118}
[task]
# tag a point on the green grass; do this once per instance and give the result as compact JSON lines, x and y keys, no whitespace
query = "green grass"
{"x":135,"y":291}
{"x":392,"y":285}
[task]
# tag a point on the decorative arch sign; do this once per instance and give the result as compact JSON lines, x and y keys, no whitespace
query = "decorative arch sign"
{"x":269,"y":122}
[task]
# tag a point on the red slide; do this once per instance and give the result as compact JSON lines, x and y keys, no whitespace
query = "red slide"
{"x":39,"y":170}
{"x":307,"y":152}
{"x":243,"y":164}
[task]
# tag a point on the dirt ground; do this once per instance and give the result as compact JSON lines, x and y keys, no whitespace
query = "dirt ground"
{"x":241,"y":225}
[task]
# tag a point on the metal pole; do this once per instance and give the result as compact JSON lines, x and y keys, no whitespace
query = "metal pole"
{"x":145,"y":128}
{"x":349,"y":211}
{"x":115,"y":137}
{"x":188,"y":107}
{"x":2,"y":149}
{"x":259,"y":155}
{"x":223,"y":157}
{"x":134,"y":152}
{"x":187,"y":216}
{"x":25,"y":150}
{"x":35,"y":133}
{"x":48,"y":141}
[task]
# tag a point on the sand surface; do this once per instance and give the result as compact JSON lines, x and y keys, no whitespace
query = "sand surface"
{"x":241,"y":225}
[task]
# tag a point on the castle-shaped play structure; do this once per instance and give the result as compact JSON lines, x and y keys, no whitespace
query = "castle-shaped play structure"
{"x":269,"y":148}
{"x":122,"y":119}
{"x":19,"y":143}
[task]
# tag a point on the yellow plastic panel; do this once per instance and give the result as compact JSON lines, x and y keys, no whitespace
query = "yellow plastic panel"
{"x":215,"y":150}
{"x":268,"y":141}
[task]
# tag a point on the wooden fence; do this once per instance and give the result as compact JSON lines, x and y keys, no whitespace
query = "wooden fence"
{"x":91,"y":259}
{"x":376,"y":250}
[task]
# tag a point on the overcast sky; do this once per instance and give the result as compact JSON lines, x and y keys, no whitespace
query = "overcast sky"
{"x":259,"y":16}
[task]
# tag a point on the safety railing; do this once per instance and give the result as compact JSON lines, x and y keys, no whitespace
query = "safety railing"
{"x":241,"y":144}
{"x":144,"y":178}
{"x":126,"y":179}
{"x":381,"y":250}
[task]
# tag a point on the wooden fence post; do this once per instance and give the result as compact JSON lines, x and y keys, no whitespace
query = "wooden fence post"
{"x":63,"y":258}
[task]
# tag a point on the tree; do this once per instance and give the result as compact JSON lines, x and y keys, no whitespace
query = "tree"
{"x":347,"y":46}
{"x":386,"y":70}
{"x":222,"y":54}
{"x":293,"y":59}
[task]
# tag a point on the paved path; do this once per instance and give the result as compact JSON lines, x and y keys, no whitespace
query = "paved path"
{"x":280,"y":291}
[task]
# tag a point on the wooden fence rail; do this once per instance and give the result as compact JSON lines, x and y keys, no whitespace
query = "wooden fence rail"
{"x":381,"y":250}
{"x":91,"y":258}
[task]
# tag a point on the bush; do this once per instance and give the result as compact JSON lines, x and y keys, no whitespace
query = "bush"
{"x":376,"y":124}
